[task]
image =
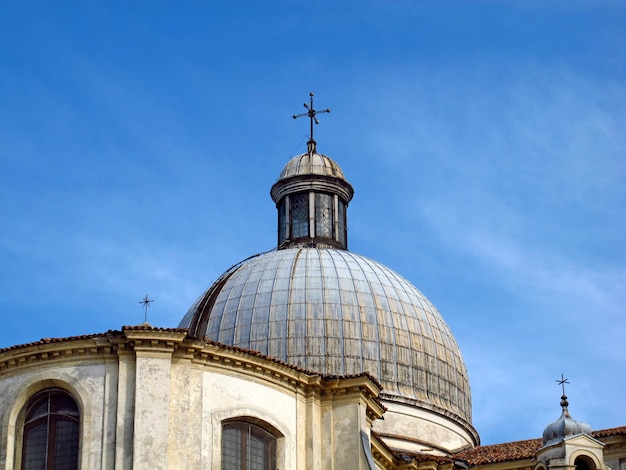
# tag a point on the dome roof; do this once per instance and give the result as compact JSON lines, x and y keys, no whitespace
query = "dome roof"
{"x":311,"y":163}
{"x":337,"y":313}
{"x":564,"y":427}
{"x":313,"y":304}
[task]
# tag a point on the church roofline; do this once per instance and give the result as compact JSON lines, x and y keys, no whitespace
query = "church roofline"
{"x":504,"y":452}
{"x":43,"y":341}
{"x":519,"y":450}
{"x":179,"y":343}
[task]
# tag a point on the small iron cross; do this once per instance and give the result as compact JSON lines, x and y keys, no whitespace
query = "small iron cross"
{"x":146,"y":301}
{"x":562,"y":383}
{"x":311,"y":113}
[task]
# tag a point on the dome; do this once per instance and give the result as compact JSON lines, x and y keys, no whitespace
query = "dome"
{"x":564,"y":427}
{"x":312,"y":172}
{"x":311,"y":163}
{"x":313,"y":304}
{"x":337,"y":313}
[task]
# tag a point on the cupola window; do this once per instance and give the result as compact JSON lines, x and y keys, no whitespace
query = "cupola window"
{"x":283,"y":228}
{"x":324,"y":215}
{"x":341,"y":223}
{"x":313,"y":217}
{"x":299,"y":215}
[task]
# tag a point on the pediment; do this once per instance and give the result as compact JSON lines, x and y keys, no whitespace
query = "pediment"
{"x":583,"y":440}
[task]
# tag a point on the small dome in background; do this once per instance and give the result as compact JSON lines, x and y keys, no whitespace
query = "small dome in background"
{"x":564,"y":427}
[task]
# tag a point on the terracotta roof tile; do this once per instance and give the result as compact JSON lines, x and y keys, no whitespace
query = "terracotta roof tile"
{"x":148,"y":327}
{"x":423,"y":457}
{"x":144,"y":327}
{"x":518,"y":450}
{"x":50,"y":341}
{"x":620,"y":431}
{"x":252,"y":352}
{"x":418,"y":457}
{"x":378,"y":437}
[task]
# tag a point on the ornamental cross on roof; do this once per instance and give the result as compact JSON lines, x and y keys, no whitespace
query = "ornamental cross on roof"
{"x":562,"y":383}
{"x":311,"y":113}
{"x":146,"y":301}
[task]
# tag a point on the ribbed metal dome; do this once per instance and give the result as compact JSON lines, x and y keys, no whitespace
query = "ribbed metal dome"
{"x":313,"y":304}
{"x":335,"y":312}
{"x":312,"y":163}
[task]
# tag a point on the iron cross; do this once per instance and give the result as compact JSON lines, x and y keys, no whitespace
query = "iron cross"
{"x":311,"y":113}
{"x":562,"y":383}
{"x":146,"y":301}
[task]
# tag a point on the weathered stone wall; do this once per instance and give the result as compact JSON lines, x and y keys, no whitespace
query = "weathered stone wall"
{"x":156,"y":399}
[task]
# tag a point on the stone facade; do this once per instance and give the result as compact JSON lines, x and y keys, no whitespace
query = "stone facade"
{"x":152,"y":398}
{"x":156,"y":398}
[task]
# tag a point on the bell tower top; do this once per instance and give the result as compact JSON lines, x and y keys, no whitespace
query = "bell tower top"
{"x":312,"y":196}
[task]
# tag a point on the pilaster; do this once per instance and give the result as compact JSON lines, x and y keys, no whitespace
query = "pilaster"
{"x":153,"y":367}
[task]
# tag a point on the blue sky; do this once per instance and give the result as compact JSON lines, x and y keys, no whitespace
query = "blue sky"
{"x":485,"y":142}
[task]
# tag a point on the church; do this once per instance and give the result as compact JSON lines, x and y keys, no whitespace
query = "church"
{"x":308,"y":356}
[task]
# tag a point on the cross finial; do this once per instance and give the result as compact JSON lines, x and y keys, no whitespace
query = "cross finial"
{"x":311,"y":112}
{"x":146,"y":301}
{"x":562,"y":383}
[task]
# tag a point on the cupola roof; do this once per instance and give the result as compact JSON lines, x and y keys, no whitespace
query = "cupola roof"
{"x":565,"y":426}
{"x":312,"y":172}
{"x":311,"y":163}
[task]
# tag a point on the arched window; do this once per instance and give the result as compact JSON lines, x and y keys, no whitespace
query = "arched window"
{"x":246,"y":446}
{"x":51,"y":432}
{"x":584,"y":463}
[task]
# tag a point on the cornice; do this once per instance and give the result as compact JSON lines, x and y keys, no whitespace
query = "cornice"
{"x":312,"y":182}
{"x":454,"y":417}
{"x":384,"y":456}
{"x":70,"y":349}
{"x":147,"y":341}
{"x":154,"y":342}
{"x":292,"y":379}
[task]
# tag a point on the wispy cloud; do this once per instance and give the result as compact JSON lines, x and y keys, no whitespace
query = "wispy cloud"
{"x":519,"y":171}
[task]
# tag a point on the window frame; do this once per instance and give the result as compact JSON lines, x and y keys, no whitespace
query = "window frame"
{"x":300,"y":216}
{"x":250,"y":424}
{"x":56,"y":413}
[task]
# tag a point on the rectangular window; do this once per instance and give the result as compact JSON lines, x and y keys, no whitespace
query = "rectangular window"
{"x":231,"y":449}
{"x":324,"y":215}
{"x":299,"y":215}
{"x":341,"y":223}
{"x":282,"y":222}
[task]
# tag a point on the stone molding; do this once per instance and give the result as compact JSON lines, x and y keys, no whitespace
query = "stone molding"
{"x":147,"y":341}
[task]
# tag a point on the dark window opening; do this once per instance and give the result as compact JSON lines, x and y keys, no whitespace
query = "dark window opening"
{"x":341,"y":223}
{"x":246,"y":446}
{"x":51,"y":432}
{"x":583,"y":463}
{"x":324,"y":215}
{"x":299,"y":215}
{"x":282,"y":222}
